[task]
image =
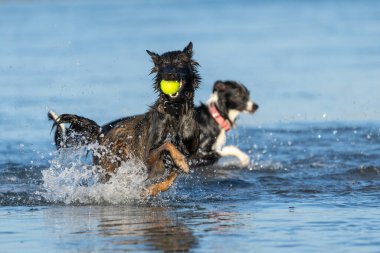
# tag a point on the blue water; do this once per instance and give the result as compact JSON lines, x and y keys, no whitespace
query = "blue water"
{"x":314,"y":180}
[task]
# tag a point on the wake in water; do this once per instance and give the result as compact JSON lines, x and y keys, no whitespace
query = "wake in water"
{"x":72,"y":180}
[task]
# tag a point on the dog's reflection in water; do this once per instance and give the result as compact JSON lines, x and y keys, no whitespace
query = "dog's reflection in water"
{"x":121,"y":228}
{"x":153,"y":228}
{"x":134,"y":228}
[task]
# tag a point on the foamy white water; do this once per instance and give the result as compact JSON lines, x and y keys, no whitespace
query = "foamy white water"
{"x":71,"y":180}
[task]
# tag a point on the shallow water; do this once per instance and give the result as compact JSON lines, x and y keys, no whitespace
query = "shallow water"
{"x":312,"y":186}
{"x":323,"y":196}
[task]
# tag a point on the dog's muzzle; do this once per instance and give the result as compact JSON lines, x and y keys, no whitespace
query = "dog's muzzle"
{"x":175,"y":95}
{"x":251,"y":107}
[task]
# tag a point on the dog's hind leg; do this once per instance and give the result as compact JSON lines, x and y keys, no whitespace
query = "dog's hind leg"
{"x":155,"y":189}
{"x":179,"y":159}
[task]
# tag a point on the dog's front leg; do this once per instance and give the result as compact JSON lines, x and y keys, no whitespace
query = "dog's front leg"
{"x":155,"y":160}
{"x":178,"y":158}
{"x":234,"y":151}
{"x":155,"y":189}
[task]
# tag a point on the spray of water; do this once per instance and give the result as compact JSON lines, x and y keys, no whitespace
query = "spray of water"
{"x":71,"y":179}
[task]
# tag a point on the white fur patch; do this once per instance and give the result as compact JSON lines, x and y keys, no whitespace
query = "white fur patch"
{"x":249,"y":106}
{"x":232,"y":114}
{"x":55,"y":116}
{"x":234,"y":151}
{"x":213,"y":98}
{"x":220,"y":141}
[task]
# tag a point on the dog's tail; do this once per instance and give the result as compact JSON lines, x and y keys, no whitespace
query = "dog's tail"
{"x":80,"y":131}
{"x":59,"y":131}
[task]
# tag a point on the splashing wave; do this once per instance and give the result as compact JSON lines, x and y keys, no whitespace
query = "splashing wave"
{"x":76,"y":182}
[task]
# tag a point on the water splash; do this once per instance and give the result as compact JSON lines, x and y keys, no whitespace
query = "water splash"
{"x":71,"y":180}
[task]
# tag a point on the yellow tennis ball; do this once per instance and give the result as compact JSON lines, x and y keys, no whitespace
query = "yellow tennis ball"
{"x":169,"y":87}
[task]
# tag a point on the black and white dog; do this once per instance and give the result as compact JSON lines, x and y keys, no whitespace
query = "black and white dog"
{"x":229,"y":98}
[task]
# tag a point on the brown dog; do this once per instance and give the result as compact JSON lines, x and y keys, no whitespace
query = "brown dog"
{"x":163,"y":138}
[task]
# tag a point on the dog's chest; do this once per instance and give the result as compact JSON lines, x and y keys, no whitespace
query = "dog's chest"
{"x":220,"y":140}
{"x":176,"y":135}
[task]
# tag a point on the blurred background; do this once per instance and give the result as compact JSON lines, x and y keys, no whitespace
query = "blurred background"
{"x":302,"y":60}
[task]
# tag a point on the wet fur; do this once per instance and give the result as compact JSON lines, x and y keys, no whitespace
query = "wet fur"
{"x":163,"y":138}
{"x":231,"y":98}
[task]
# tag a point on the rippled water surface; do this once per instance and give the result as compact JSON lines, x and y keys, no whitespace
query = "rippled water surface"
{"x":314,"y":180}
{"x":294,"y":197}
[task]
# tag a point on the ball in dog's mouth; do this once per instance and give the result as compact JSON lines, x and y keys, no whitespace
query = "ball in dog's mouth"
{"x":170,"y":88}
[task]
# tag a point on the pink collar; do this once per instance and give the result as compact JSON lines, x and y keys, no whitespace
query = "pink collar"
{"x":223,"y":123}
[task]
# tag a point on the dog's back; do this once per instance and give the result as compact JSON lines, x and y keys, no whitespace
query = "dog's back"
{"x":122,"y":140}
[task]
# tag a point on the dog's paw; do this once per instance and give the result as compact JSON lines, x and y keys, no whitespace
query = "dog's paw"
{"x":244,"y":160}
{"x":152,"y":191}
{"x":181,"y":163}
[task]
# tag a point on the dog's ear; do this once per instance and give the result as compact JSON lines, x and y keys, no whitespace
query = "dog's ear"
{"x":155,"y":57}
{"x":219,"y":86}
{"x":189,"y":49}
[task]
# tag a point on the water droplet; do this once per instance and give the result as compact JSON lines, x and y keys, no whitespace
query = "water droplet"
{"x":324,"y":115}
{"x":319,"y":136}
{"x":335,"y":132}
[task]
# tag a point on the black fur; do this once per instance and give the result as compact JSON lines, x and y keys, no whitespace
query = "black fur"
{"x":231,"y":95}
{"x":170,"y":119}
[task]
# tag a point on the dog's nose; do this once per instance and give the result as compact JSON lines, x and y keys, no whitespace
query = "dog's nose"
{"x":252,"y":107}
{"x":169,"y":73}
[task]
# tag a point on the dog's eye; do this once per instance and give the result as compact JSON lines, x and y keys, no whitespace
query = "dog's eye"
{"x":179,"y":64}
